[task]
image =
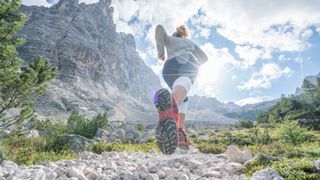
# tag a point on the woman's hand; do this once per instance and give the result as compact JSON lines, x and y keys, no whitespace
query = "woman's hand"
{"x":162,"y":58}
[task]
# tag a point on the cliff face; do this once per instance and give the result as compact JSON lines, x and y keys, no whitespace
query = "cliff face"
{"x":98,"y":69}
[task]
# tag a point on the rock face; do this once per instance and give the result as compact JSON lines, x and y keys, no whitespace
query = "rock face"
{"x":127,"y":165}
{"x":98,"y":69}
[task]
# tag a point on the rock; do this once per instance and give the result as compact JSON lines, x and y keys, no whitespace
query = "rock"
{"x":234,"y":154}
{"x":74,"y":172}
{"x":266,"y":174}
{"x":4,"y":133}
{"x":76,"y":142}
{"x":111,"y":165}
{"x":51,"y":176}
{"x":101,"y":133}
{"x":194,"y":164}
{"x":9,"y":165}
{"x":210,"y":174}
{"x":192,"y":133}
{"x":184,"y":177}
{"x":316,"y":164}
{"x":92,"y":176}
{"x":132,"y":134}
{"x":87,"y":155}
{"x":233,"y":168}
{"x":161,"y":174}
{"x":35,"y":174}
{"x":3,"y":172}
{"x":30,"y":133}
{"x":152,"y":177}
{"x":146,"y":136}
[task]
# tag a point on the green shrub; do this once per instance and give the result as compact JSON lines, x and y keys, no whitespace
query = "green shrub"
{"x":245,"y":124}
{"x":52,"y":127}
{"x":78,"y":124}
{"x":294,"y":134}
{"x":101,"y":147}
{"x":140,"y":127}
{"x":260,"y":136}
{"x":211,"y":148}
{"x":30,"y":151}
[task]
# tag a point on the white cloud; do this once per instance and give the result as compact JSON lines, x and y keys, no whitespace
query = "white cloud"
{"x":282,"y":25}
{"x":36,"y":2}
{"x":253,"y":100}
{"x":250,"y":54}
{"x":263,"y":78}
{"x":234,"y":77}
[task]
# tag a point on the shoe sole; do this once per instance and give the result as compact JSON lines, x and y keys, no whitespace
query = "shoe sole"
{"x":166,"y":131}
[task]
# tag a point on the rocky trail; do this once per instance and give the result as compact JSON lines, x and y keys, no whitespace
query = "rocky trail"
{"x":129,"y":165}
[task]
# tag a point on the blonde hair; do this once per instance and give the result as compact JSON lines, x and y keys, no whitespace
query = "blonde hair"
{"x":181,"y":31}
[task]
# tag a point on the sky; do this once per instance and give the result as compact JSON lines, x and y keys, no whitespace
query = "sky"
{"x":257,"y":50}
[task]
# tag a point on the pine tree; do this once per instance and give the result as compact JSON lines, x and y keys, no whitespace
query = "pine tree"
{"x":18,"y":85}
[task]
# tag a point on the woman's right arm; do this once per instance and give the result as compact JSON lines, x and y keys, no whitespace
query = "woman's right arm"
{"x":161,"y":36}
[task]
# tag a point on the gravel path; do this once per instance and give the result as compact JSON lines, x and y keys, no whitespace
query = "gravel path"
{"x":126,"y":165}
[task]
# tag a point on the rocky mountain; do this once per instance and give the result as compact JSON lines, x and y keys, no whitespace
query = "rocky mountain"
{"x":98,"y":69}
{"x":312,"y":79}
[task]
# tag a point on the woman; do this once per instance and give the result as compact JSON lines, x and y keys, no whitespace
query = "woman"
{"x":179,"y":72}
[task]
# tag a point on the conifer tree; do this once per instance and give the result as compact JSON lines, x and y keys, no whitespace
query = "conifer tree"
{"x":19,"y":85}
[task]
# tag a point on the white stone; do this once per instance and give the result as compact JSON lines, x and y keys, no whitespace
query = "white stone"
{"x":152,"y":177}
{"x":74,"y":172}
{"x":316,"y":164}
{"x":184,"y":177}
{"x":234,"y":154}
{"x":92,"y":176}
{"x":210,"y":174}
{"x":51,"y":176}
{"x":161,"y":174}
{"x":194,"y":164}
{"x":266,"y":174}
{"x":233,"y":168}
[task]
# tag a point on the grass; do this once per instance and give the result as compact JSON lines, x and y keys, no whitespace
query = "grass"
{"x":293,"y":148}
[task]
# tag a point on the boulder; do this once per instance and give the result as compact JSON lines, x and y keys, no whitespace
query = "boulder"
{"x":234,"y":154}
{"x":76,"y":142}
{"x":267,"y":174}
{"x":316,"y":164}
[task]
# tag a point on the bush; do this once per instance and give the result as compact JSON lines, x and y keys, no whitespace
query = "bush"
{"x":78,"y":124}
{"x":211,"y":148}
{"x":293,"y":134}
{"x":52,"y":127}
{"x":140,"y":127}
{"x":245,"y":124}
{"x":30,"y":151}
{"x":260,"y":136}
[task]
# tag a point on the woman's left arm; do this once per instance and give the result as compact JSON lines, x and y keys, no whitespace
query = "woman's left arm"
{"x":200,"y":55}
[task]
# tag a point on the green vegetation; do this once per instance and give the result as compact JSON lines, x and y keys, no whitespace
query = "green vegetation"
{"x":79,"y":124}
{"x":140,"y":127}
{"x":34,"y":150}
{"x":118,"y":146}
{"x":304,"y":108}
{"x":19,"y":84}
{"x":292,"y":149}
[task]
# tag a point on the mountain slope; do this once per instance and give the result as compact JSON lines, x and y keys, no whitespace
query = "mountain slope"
{"x":98,"y":69}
